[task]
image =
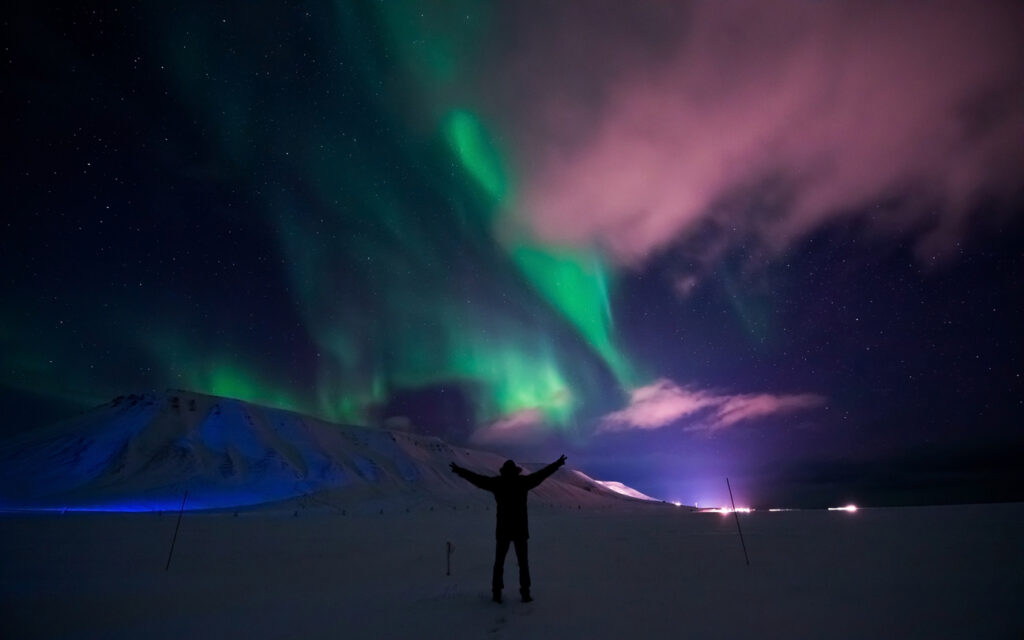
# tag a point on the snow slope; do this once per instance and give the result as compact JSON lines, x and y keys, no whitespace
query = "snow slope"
{"x":143,"y":452}
{"x":621,"y":489}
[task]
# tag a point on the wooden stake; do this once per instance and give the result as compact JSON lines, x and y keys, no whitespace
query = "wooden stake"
{"x":176,"y":527}
{"x":737,"y":516}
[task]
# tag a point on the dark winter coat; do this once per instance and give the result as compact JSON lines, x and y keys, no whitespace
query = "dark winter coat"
{"x":510,"y":494}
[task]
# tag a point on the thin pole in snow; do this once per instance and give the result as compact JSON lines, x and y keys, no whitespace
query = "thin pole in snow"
{"x":181,"y":511}
{"x":737,"y":516}
{"x":448,"y":568}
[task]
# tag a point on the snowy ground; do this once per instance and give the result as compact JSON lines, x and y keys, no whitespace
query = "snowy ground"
{"x":656,"y":572}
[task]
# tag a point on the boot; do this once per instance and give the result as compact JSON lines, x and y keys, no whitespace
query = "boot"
{"x":526,"y":595}
{"x":496,"y":595}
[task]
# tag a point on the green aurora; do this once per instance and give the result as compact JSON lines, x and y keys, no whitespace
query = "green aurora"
{"x":382,"y":200}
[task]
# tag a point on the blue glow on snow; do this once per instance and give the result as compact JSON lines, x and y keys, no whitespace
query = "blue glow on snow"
{"x":142,"y":453}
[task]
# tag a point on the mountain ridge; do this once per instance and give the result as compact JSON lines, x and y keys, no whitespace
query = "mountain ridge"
{"x":142,"y":452}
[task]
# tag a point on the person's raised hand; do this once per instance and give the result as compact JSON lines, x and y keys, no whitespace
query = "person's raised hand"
{"x":561,"y":460}
{"x":454,"y":467}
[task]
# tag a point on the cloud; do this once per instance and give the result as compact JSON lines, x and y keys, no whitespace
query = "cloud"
{"x":400,"y":423}
{"x":664,"y":403}
{"x":657,"y":405}
{"x":763,"y":120}
{"x":738,"y":408}
{"x":526,"y":425}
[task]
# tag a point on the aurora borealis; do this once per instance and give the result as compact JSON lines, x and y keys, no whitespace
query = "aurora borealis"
{"x":679,"y":240}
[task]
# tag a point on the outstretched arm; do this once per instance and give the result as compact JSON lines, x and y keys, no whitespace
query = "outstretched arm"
{"x":477,"y":480}
{"x":538,"y":477}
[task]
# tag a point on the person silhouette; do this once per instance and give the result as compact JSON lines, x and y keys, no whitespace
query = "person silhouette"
{"x":510,"y":489}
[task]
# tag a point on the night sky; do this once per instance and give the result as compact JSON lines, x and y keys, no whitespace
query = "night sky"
{"x":779,"y":242}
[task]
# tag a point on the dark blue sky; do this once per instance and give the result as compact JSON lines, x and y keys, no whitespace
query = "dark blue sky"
{"x":675,"y":242}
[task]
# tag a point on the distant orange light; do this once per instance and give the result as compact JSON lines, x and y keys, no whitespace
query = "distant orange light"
{"x":726,"y":510}
{"x":850,"y":508}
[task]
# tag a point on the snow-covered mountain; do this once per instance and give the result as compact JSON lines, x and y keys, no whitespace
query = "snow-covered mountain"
{"x":143,"y":452}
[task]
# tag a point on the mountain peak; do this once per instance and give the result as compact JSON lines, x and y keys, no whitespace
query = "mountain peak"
{"x":142,"y":452}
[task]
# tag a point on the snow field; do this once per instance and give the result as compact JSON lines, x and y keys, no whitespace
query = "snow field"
{"x":663,"y":572}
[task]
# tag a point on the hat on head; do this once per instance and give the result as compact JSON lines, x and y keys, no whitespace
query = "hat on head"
{"x":510,"y":469}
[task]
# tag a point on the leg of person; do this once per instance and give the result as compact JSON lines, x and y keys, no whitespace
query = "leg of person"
{"x":497,"y":578}
{"x":523,"y":557}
